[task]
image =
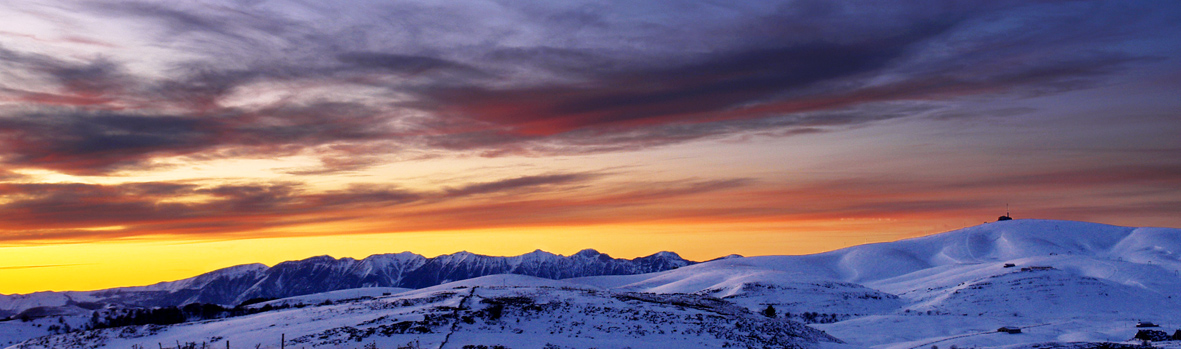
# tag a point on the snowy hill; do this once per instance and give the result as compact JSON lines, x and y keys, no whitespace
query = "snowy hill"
{"x":755,"y":287}
{"x":992,"y":242}
{"x":1058,"y":281}
{"x":1082,"y":282}
{"x":522,"y":312}
{"x":331,"y":297}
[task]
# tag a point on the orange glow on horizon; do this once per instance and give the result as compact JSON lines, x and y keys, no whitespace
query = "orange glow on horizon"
{"x":144,"y":261}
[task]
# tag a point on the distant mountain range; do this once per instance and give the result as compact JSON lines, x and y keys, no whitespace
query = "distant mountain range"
{"x":234,"y":285}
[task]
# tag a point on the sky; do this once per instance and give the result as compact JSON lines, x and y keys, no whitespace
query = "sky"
{"x":144,"y":141}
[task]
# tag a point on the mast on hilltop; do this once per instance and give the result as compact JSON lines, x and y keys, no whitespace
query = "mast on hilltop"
{"x":1006,"y":217}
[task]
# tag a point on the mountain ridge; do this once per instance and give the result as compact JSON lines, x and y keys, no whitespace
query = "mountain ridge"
{"x":236,"y":284}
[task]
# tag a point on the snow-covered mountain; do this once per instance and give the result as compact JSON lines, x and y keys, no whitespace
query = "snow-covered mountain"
{"x":1059,"y":281}
{"x":1068,"y":281}
{"x":510,"y":311}
{"x":234,"y":285}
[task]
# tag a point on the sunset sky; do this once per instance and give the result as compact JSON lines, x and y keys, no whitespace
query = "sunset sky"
{"x":156,"y":140}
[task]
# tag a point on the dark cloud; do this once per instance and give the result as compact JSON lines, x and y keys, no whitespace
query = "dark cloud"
{"x":97,"y":77}
{"x":561,"y":78}
{"x":54,"y":211}
{"x":141,"y":208}
{"x":514,"y":184}
{"x":97,"y":142}
{"x":48,"y":212}
{"x":622,"y":138}
{"x":405,"y":64}
{"x":91,"y":82}
{"x":82,"y":142}
{"x":718,"y":88}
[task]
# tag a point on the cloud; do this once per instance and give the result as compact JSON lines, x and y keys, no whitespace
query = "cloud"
{"x":260,"y":79}
{"x":83,"y":212}
{"x":732,"y":85}
{"x":181,"y":20}
{"x":1101,"y":192}
{"x":514,"y":184}
{"x":405,"y":64}
{"x":44,"y":80}
{"x":1147,"y":175}
{"x":6,"y":175}
{"x":39,"y":211}
{"x":631,"y":202}
{"x":87,"y":212}
{"x":86,"y":142}
{"x":19,"y":267}
{"x":97,"y":142}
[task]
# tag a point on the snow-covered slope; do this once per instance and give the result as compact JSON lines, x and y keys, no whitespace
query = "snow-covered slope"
{"x":755,"y":287}
{"x":331,"y":297}
{"x":991,"y":242}
{"x":522,"y":312}
{"x":1081,"y":281}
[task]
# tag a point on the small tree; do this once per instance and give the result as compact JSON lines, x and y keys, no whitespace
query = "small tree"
{"x":770,"y":311}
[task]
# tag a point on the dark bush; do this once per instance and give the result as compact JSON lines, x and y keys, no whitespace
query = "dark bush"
{"x":1152,"y":335}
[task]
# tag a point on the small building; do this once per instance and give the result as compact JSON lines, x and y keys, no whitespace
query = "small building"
{"x":1146,"y":324}
{"x":1037,"y":268}
{"x":1006,"y":217}
{"x":1152,"y":335}
{"x":1009,"y":329}
{"x":1009,"y":265}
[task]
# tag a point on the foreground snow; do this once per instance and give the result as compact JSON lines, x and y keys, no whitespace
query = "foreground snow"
{"x":521,"y":312}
